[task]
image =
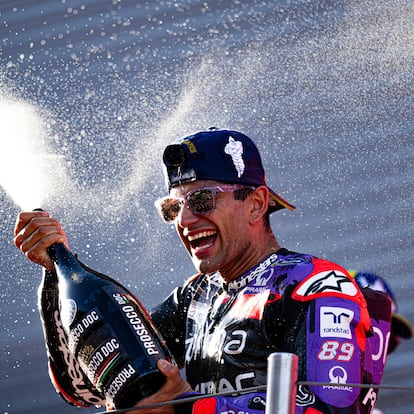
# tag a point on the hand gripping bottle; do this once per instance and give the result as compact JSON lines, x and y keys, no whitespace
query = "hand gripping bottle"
{"x":109,"y":332}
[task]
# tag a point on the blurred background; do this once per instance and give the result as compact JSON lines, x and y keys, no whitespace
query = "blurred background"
{"x":92,"y":91}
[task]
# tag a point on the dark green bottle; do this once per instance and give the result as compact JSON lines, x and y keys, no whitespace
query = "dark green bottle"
{"x":109,"y":332}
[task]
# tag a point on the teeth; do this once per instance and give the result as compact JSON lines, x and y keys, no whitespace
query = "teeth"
{"x":201,"y":235}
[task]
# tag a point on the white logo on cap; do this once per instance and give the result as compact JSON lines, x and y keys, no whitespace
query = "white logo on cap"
{"x":235,"y":150}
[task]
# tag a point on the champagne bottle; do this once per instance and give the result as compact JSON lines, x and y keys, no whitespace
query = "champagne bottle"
{"x":109,"y":332}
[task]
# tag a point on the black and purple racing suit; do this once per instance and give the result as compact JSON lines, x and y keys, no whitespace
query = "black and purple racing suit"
{"x":222,"y":334}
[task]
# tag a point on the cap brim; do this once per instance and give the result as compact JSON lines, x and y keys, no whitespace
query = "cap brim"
{"x":402,"y":326}
{"x":276,"y":202}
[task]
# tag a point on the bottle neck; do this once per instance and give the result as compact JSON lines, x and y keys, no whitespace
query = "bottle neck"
{"x":60,"y":255}
{"x":66,"y":264}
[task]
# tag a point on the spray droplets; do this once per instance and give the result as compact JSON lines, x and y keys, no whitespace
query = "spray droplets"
{"x":323,"y":88}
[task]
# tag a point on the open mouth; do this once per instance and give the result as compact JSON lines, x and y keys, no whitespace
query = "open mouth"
{"x":202,"y":240}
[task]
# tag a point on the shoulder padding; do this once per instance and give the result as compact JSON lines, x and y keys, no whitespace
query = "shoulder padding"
{"x":327,"y":279}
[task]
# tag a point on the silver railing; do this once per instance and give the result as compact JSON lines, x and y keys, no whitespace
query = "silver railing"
{"x":282,"y":373}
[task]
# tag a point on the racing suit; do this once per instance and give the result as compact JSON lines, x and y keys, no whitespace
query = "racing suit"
{"x":222,"y":334}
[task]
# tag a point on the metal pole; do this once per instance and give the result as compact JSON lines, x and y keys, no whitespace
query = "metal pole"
{"x":282,"y":373}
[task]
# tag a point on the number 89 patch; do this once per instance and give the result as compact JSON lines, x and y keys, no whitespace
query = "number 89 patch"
{"x":336,"y":351}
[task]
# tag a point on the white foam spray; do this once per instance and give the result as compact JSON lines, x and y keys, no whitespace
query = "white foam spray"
{"x":30,"y":170}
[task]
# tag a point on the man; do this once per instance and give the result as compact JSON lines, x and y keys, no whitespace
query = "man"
{"x":250,"y":297}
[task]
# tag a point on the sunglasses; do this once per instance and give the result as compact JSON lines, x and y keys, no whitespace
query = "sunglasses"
{"x":199,"y":201}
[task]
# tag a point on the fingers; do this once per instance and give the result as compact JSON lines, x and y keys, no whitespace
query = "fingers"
{"x":173,"y":387}
{"x":168,"y":369}
{"x":24,"y":218}
{"x":34,"y":233}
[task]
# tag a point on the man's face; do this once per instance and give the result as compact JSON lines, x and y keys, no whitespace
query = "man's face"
{"x":219,"y":240}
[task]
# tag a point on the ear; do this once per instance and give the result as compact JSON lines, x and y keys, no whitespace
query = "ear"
{"x":259,"y":202}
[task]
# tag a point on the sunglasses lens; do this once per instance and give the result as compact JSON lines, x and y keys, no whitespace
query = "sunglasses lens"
{"x":169,"y":209}
{"x":201,"y":201}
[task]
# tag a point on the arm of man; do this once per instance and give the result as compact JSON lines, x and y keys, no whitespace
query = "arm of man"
{"x":340,"y":342}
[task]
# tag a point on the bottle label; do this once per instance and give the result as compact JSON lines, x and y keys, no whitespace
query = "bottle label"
{"x":136,"y":323}
{"x":102,"y":362}
{"x":119,"y":381}
{"x":100,"y":355}
{"x":81,"y":328}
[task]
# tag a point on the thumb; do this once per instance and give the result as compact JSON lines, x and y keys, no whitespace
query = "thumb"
{"x":167,"y":368}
